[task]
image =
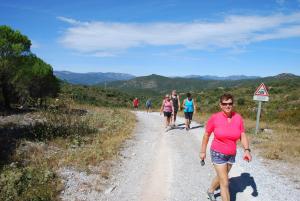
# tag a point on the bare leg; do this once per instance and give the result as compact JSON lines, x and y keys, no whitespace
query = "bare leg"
{"x":215,"y":182}
{"x":166,"y":122}
{"x":186,"y":123}
{"x":169,"y":120}
{"x":174,"y":118}
{"x":222,"y":172}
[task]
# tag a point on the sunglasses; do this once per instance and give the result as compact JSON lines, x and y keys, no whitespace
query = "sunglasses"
{"x":225,"y":104}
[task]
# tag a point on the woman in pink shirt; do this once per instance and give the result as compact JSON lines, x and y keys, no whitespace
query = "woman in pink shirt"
{"x":228,"y":128}
{"x":168,"y":109}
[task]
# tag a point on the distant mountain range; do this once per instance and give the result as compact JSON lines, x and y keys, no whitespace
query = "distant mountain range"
{"x":91,"y":78}
{"x":161,"y":84}
{"x":94,"y":78}
{"x":231,"y":77}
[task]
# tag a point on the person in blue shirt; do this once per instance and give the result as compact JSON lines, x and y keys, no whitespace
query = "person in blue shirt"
{"x":189,"y":108}
{"x":148,"y":105}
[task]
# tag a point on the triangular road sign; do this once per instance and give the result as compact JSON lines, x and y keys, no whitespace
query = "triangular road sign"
{"x":261,"y":90}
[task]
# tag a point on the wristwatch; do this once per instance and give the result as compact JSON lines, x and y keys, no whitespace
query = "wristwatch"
{"x":247,"y":150}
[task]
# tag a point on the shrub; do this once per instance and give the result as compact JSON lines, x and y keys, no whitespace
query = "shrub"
{"x":27,"y":184}
{"x":241,"y":101}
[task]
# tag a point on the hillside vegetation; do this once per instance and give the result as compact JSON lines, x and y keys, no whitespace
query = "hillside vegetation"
{"x":284,"y":90}
{"x":46,"y":124}
{"x":97,"y":96}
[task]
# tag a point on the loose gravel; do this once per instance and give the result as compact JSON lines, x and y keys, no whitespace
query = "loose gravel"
{"x":157,"y":165}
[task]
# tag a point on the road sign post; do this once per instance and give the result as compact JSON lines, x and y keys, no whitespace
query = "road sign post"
{"x":261,"y":94}
{"x":258,"y":117}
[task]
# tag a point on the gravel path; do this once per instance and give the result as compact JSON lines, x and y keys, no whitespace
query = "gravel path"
{"x":164,"y":166}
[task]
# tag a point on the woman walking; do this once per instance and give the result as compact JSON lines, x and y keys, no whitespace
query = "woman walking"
{"x":168,"y":109}
{"x":228,"y":127}
{"x":176,"y":103}
{"x":189,"y":109}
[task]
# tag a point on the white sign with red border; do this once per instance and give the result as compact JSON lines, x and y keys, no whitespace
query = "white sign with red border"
{"x":261,"y":93}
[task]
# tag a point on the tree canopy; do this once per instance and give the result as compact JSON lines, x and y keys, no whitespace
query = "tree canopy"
{"x":23,"y":75}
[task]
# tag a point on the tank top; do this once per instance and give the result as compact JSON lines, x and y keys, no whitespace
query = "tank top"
{"x":175,"y":101}
{"x":167,"y":106}
{"x":189,"y":105}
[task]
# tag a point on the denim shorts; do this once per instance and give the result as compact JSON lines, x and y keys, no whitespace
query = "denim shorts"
{"x":219,"y":158}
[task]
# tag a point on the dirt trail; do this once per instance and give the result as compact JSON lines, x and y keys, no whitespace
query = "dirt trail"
{"x":164,"y":166}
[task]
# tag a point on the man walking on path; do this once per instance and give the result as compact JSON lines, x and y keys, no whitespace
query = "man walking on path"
{"x":148,"y":105}
{"x":136,"y":103}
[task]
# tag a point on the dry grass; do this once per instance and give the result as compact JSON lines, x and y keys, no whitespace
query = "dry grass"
{"x":114,"y":127}
{"x":278,"y":142}
{"x":72,"y":145}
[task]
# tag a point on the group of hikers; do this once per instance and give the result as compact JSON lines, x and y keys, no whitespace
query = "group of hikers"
{"x":227,"y":127}
{"x":170,"y":107}
{"x":136,"y":103}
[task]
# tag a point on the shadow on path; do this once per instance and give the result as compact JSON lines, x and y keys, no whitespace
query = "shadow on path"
{"x":194,"y":127}
{"x":239,"y":184}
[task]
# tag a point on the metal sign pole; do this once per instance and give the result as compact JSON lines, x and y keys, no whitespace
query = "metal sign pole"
{"x":257,"y":117}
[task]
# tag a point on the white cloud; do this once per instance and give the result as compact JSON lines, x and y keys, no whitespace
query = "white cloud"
{"x":107,"y":39}
{"x":68,"y":20}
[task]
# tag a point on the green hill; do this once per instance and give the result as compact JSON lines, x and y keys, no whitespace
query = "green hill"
{"x":284,"y":90}
{"x":96,"y":95}
{"x":163,"y":84}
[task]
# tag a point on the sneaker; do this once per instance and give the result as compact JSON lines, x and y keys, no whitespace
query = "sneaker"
{"x":211,"y":196}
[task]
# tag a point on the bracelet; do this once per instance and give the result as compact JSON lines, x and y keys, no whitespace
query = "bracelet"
{"x":247,"y":150}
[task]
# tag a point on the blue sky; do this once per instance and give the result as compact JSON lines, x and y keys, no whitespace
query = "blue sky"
{"x":167,"y":37}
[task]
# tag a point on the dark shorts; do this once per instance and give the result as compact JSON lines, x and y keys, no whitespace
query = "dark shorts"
{"x":219,"y":158}
{"x":168,"y":114}
{"x":135,"y":106}
{"x":188,"y":115}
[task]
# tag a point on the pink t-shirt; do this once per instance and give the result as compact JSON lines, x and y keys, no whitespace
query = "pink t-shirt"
{"x":225,"y":133}
{"x":167,"y":106}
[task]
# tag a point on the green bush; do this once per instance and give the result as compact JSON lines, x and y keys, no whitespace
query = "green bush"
{"x":27,"y":184}
{"x":60,"y":124}
{"x":241,"y":101}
